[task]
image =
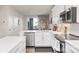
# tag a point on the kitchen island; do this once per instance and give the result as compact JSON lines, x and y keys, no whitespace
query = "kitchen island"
{"x":12,"y":44}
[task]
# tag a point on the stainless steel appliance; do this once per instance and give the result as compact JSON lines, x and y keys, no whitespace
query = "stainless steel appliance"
{"x":30,"y":38}
{"x":69,"y":15}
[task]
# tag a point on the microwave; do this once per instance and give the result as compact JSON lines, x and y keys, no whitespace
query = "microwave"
{"x":70,"y":15}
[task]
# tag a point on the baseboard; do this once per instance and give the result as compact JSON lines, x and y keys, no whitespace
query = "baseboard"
{"x":46,"y":47}
{"x":43,"y":46}
{"x":52,"y":49}
{"x":30,"y":46}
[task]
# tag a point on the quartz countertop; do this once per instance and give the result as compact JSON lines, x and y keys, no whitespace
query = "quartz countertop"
{"x":9,"y":42}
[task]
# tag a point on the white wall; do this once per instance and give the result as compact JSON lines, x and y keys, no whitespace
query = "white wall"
{"x":25,"y":23}
{"x":74,"y":29}
{"x":9,"y":21}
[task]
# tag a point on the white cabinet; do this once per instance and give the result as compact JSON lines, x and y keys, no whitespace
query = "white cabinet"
{"x":47,"y":39}
{"x":43,"y":39}
{"x":70,"y":49}
{"x":67,"y":7}
{"x":38,"y":39}
{"x":56,"y":44}
{"x":56,"y":10}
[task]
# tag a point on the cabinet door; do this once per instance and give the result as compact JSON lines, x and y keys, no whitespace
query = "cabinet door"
{"x":67,"y":7}
{"x":57,"y":45}
{"x":43,"y":39}
{"x":53,"y":42}
{"x":38,"y":39}
{"x":56,"y":12}
{"x":47,"y":40}
{"x":32,"y":39}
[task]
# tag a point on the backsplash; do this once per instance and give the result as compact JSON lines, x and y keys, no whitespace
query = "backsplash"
{"x":74,"y":29}
{"x":43,"y":22}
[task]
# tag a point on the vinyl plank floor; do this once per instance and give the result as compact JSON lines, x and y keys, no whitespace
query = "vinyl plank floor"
{"x":44,"y":49}
{"x":30,"y":49}
{"x":39,"y":50}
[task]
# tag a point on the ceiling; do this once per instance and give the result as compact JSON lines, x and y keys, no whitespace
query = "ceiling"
{"x":33,"y":9}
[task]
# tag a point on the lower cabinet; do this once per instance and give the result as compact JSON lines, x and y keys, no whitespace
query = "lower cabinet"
{"x":43,"y":39}
{"x":57,"y":45}
{"x":19,"y":48}
{"x":70,"y":49}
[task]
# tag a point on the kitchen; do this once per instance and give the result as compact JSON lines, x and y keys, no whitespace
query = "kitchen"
{"x":39,"y":29}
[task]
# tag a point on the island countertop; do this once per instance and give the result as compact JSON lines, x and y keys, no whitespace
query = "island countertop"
{"x":9,"y":42}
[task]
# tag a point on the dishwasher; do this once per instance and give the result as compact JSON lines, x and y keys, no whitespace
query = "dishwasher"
{"x":30,"y":38}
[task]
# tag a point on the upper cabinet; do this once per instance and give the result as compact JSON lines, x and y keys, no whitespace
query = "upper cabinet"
{"x":56,"y":10}
{"x":67,"y":7}
{"x":69,"y":14}
{"x":77,"y":12}
{"x":65,"y":13}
